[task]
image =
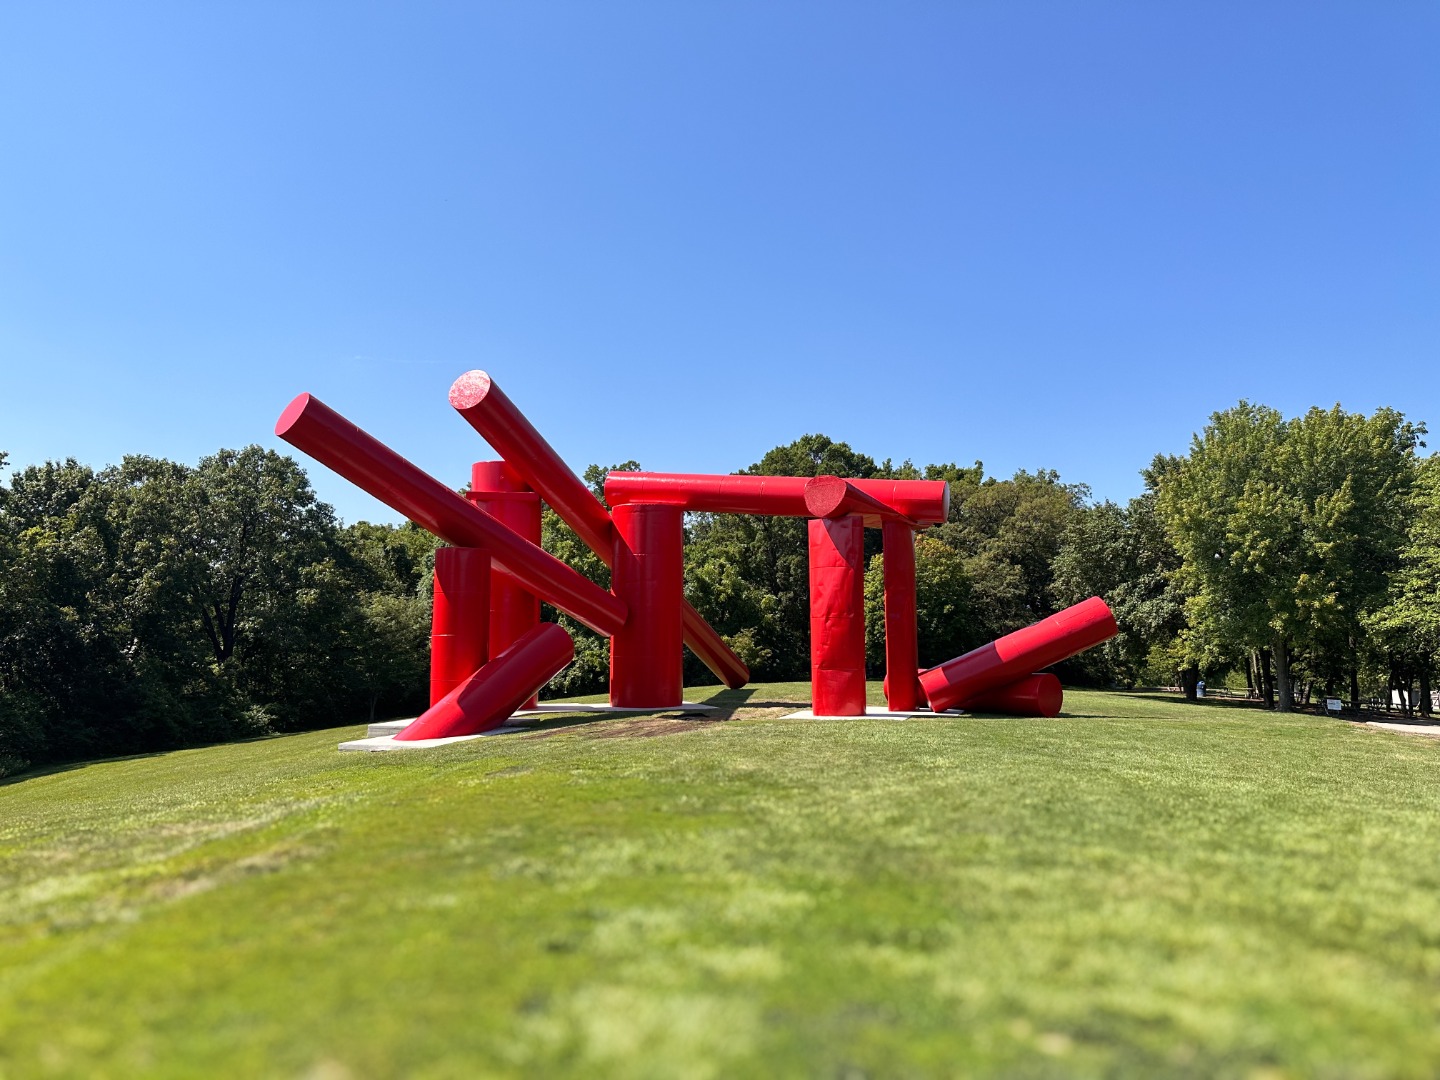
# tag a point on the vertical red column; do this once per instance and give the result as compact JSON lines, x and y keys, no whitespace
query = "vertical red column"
{"x":498,"y":489}
{"x":902,"y":646}
{"x":837,"y":616}
{"x":460,"y":622}
{"x":649,"y":575}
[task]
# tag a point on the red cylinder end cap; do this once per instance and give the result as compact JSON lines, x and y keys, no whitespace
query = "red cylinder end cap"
{"x":469,"y":389}
{"x":1050,"y":697}
{"x":292,"y":413}
{"x":824,"y":494}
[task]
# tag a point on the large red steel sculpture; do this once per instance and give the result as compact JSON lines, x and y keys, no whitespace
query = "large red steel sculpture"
{"x":491,"y":654}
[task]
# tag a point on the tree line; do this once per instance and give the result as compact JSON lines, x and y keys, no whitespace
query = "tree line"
{"x":152,"y":604}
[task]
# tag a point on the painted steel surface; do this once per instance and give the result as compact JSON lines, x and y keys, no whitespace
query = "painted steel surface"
{"x":837,"y":616}
{"x":902,"y":646}
{"x":460,"y":618}
{"x":648,"y":573}
{"x":312,"y":426}
{"x":927,"y":502}
{"x":955,"y":683}
{"x":1034,"y":695}
{"x":500,"y":491}
{"x":489,"y":697}
{"x":495,"y":417}
{"x":832,"y":497}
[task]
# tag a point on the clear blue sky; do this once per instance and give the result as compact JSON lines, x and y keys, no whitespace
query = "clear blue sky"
{"x":1038,"y":234}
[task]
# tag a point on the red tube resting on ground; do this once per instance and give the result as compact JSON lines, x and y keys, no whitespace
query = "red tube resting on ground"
{"x":485,"y":408}
{"x":514,"y":610}
{"x":927,"y":502}
{"x":312,"y":426}
{"x":832,"y":497}
{"x":956,"y":682}
{"x":1034,"y":695}
{"x":902,"y":646}
{"x":460,"y":619}
{"x":837,"y":616}
{"x":646,"y":660}
{"x":491,"y":695}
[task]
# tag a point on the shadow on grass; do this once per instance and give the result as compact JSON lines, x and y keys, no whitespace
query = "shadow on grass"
{"x":71,"y":766}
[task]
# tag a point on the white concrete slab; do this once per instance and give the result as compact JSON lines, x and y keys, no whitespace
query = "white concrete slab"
{"x":389,"y":742}
{"x":872,"y":712}
{"x":554,"y":708}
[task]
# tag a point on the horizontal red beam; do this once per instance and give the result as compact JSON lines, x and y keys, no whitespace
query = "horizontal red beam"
{"x":926,"y":502}
{"x":312,"y":426}
{"x":499,"y":422}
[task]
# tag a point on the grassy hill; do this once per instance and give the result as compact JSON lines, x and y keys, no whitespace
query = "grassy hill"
{"x":1140,"y":886}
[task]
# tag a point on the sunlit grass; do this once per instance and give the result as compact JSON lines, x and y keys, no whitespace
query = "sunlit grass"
{"x":1139,"y":886}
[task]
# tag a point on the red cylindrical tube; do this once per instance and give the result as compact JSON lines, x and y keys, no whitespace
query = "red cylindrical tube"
{"x":831,"y":496}
{"x":837,"y":616}
{"x":460,"y":618}
{"x":956,"y":682}
{"x":312,"y":426}
{"x":486,"y":409}
{"x":646,"y":664}
{"x":926,"y":502}
{"x":491,"y":695}
{"x":1034,"y":695}
{"x":902,"y":646}
{"x":500,"y":492}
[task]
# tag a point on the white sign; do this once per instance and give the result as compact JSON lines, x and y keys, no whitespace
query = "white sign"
{"x":1333,"y":704}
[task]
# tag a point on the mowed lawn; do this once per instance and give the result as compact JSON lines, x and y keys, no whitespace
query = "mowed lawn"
{"x":1141,"y":886}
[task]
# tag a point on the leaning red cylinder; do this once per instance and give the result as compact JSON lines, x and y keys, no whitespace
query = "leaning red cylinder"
{"x":312,"y":426}
{"x":1034,"y":695}
{"x":648,"y":573}
{"x":486,"y":408}
{"x":460,"y":619}
{"x":902,"y":644}
{"x":491,"y":695}
{"x":500,"y":492}
{"x":837,"y":616}
{"x":955,"y":683}
{"x":926,"y":502}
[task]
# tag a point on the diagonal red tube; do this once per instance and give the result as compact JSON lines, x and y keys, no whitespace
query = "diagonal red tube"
{"x":312,"y":426}
{"x":490,"y":412}
{"x":956,"y":683}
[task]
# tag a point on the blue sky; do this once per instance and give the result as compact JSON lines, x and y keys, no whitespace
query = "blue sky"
{"x":1037,"y":234}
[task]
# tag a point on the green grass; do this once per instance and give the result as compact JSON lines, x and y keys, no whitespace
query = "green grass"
{"x":1139,"y":887}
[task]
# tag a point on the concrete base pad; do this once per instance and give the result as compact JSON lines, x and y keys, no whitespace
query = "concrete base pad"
{"x":389,"y":742}
{"x":544,"y":709}
{"x":872,"y":712}
{"x":560,"y":708}
{"x":1433,"y":730}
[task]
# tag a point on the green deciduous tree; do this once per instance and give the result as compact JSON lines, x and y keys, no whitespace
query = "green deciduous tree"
{"x":1287,"y":529}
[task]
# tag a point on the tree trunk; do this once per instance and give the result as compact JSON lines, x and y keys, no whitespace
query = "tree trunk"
{"x":1425,"y":690}
{"x":1283,"y":700}
{"x":1268,"y":678}
{"x":1190,"y":682}
{"x":1252,"y":675}
{"x":1354,"y":685}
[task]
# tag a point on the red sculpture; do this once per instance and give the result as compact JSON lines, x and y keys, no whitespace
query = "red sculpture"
{"x":460,"y":620}
{"x":959,"y":682}
{"x":490,"y":654}
{"x":514,"y":611}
